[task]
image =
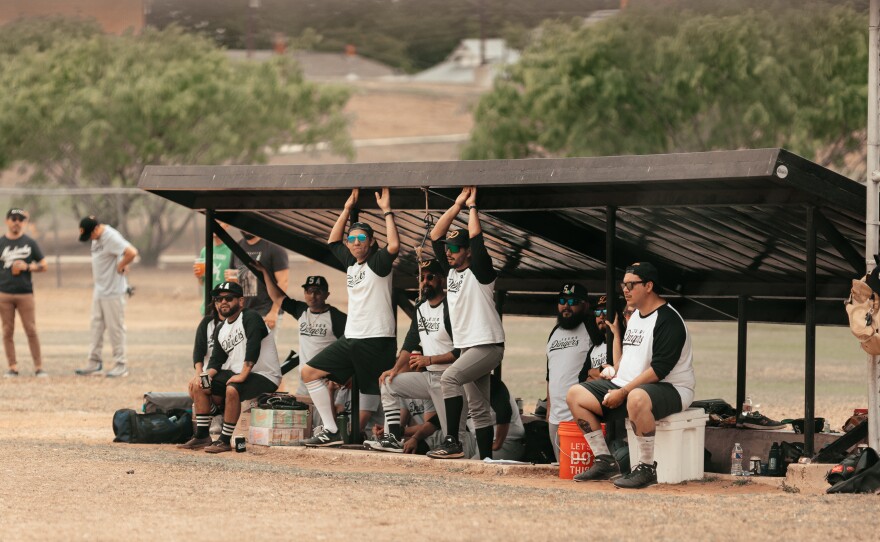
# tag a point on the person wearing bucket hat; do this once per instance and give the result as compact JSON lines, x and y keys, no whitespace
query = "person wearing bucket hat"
{"x":111,"y":255}
{"x":369,"y":345}
{"x":243,"y":365}
{"x":21,"y":257}
{"x":427,"y":352}
{"x":568,"y":353}
{"x":655,"y":378}
{"x":320,"y":324}
{"x":476,"y":324}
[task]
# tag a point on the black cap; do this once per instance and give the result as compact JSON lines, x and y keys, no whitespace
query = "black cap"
{"x":86,"y":226}
{"x":601,"y":301}
{"x":645,"y":271}
{"x":316,"y":281}
{"x":458,"y":237}
{"x":231,"y":287}
{"x":431,"y":266}
{"x":16,"y":211}
{"x":362,"y":226}
{"x":574,"y":290}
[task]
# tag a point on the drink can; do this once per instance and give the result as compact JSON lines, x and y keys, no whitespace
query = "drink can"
{"x":755,"y":465}
{"x":239,"y":443}
{"x":205,"y":380}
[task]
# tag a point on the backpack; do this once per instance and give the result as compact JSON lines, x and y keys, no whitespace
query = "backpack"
{"x":172,"y":427}
{"x":863,"y":310}
{"x":865,"y":478}
{"x":538,"y":448}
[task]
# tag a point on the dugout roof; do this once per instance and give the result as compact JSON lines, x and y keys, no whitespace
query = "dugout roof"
{"x":718,"y":225}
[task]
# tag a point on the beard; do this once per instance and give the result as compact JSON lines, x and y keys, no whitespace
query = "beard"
{"x":569,"y":322}
{"x":429,"y":292}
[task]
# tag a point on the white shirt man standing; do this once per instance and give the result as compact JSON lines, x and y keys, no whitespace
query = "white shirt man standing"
{"x":111,"y":254}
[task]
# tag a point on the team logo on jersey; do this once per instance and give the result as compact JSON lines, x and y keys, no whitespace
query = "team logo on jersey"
{"x":429,"y":325}
{"x":312,"y":330}
{"x":600,"y":354}
{"x":356,"y":278}
{"x":562,"y":344}
{"x":235,"y":337}
{"x":633,"y":337}
{"x":453,"y":284}
{"x":11,"y":254}
{"x":416,"y":407}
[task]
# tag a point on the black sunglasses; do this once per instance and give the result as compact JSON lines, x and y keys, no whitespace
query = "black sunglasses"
{"x":630,"y":285}
{"x":428,"y":276}
{"x":219,"y":298}
{"x":570,"y":301}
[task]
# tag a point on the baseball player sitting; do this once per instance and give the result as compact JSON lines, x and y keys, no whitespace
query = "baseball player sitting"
{"x":243,"y":364}
{"x":655,"y":378}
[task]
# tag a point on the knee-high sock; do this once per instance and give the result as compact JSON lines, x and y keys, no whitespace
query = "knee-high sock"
{"x":596,"y":441}
{"x":391,"y":407}
{"x":485,"y":436}
{"x":646,"y":449}
{"x":320,"y":395}
{"x":454,"y":406}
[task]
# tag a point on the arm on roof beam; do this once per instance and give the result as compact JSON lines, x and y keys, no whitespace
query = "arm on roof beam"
{"x":840,"y":243}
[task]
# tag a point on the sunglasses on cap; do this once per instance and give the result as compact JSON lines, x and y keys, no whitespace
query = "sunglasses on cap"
{"x":428,"y":276}
{"x":569,"y":301}
{"x":362,"y":237}
{"x":600,"y":312}
{"x":630,"y":285}
{"x":220,"y":298}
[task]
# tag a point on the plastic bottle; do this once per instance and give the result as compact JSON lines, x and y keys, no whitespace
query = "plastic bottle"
{"x":747,"y":406}
{"x":736,"y":460}
{"x":773,"y":460}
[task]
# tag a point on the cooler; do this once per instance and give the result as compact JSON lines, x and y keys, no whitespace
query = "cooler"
{"x":678,"y":446}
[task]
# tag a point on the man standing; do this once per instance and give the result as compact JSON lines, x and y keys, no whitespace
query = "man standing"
{"x":111,"y":254}
{"x":476,"y":325}
{"x":244,"y":364}
{"x":568,"y":353}
{"x":273,"y":258}
{"x":655,"y":378}
{"x":370,"y":340}
{"x":427,"y":352}
{"x":222,"y":256}
{"x":21,"y":256}
{"x":320,"y":324}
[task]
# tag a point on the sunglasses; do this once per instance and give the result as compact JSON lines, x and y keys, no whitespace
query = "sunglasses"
{"x":359,"y":237}
{"x":221,"y":298}
{"x":453,"y":249}
{"x":630,"y":285}
{"x":18,"y":218}
{"x":570,"y":301}
{"x":600,"y":312}
{"x":428,"y":276}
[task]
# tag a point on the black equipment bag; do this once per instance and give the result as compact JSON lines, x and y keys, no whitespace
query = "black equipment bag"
{"x":864,"y":479}
{"x":172,"y":427}
{"x":538,"y":448}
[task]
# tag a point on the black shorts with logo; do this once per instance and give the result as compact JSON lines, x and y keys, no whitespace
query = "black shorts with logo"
{"x":366,"y":358}
{"x":249,"y":389}
{"x":665,"y":400}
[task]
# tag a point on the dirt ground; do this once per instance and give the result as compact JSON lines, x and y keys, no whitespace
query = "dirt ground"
{"x":62,"y":477}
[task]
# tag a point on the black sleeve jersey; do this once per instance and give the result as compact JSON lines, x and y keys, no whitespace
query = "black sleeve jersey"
{"x":294,"y":307}
{"x":200,"y":347}
{"x":499,"y":400}
{"x":669,"y":338}
{"x":255,"y":331}
{"x":337,"y":321}
{"x":481,"y":262}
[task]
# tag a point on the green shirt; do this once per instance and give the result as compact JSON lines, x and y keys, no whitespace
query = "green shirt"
{"x":222,"y":262}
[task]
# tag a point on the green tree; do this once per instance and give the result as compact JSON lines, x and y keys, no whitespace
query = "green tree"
{"x":94,"y":111}
{"x":673,"y":79}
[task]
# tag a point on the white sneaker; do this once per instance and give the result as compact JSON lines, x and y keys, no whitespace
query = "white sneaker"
{"x":92,"y":369}
{"x":119,"y":371}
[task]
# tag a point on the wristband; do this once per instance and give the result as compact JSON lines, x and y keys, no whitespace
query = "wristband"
{"x":389,"y":213}
{"x":472,"y":206}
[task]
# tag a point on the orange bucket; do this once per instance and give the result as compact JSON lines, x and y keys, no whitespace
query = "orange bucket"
{"x":575,"y":455}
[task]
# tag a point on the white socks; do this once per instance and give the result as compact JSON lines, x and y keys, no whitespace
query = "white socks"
{"x":596,"y":442}
{"x":646,"y":449}
{"x":320,"y":395}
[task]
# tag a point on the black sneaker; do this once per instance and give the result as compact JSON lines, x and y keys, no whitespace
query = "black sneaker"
{"x":756,"y":420}
{"x":450,"y":448}
{"x":604,"y":467}
{"x":541,"y":409}
{"x":323,"y":439}
{"x":643,"y":475}
{"x":388,"y":443}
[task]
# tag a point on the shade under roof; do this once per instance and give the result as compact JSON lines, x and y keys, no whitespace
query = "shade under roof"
{"x":718,"y":225}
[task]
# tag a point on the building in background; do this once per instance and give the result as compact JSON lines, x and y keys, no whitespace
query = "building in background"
{"x":114,"y":16}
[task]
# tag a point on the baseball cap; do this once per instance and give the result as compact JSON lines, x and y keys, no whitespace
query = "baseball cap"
{"x":458,"y":237}
{"x":645,"y":271}
{"x":231,"y":287}
{"x":317,"y":281}
{"x":431,"y":266}
{"x":16,"y":211}
{"x":86,"y":226}
{"x":574,"y":290}
{"x":601,"y":302}
{"x":362,"y":226}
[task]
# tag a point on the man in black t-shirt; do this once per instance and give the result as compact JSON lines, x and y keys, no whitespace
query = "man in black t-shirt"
{"x":21,"y":256}
{"x":273,"y":258}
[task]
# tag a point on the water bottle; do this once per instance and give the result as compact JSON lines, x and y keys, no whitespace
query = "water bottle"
{"x":736,"y":460}
{"x":747,"y":405}
{"x":773,"y":467}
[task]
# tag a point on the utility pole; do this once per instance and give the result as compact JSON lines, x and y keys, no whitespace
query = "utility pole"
{"x":253,"y":5}
{"x":872,"y":210}
{"x":482,"y":32}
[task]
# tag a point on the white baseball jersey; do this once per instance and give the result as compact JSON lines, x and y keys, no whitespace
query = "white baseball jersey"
{"x":246,"y":339}
{"x":370,"y":310}
{"x":430,"y":330}
{"x":567,"y":351}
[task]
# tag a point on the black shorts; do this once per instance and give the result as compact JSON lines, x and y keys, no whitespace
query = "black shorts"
{"x":365,"y":358}
{"x":665,"y":400}
{"x":249,"y":389}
